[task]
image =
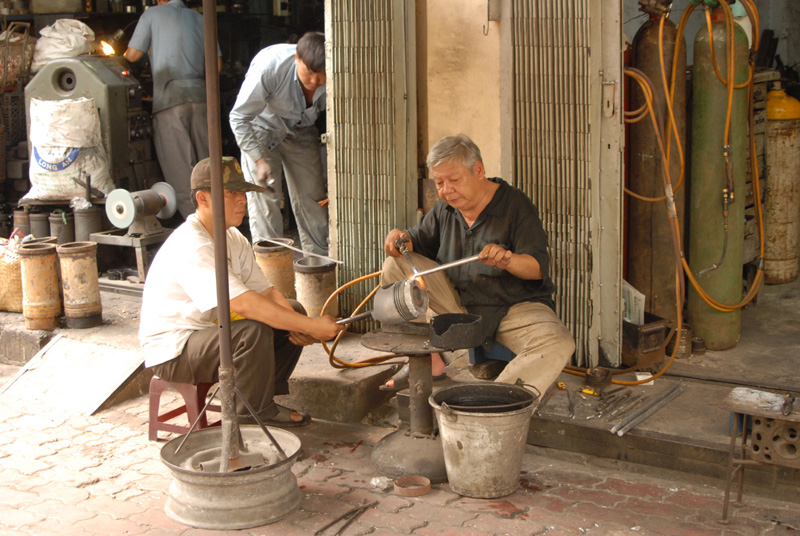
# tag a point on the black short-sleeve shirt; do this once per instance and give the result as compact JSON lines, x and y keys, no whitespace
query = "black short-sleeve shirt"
{"x":509,"y":220}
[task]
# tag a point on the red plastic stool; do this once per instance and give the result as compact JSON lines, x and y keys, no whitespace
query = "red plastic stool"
{"x":194,"y":397}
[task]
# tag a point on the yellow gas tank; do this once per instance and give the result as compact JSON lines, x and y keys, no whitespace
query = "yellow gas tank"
{"x":780,"y":105}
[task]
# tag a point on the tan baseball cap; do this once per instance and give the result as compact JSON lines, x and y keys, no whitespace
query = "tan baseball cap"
{"x":232,"y":177}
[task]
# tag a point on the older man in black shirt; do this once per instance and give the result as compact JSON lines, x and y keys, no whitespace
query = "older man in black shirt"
{"x":509,"y":287}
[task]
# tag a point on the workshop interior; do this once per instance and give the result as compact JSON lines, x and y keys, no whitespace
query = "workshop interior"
{"x":659,"y":140}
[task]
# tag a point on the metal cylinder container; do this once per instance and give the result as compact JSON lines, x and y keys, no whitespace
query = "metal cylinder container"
{"x":651,"y":254}
{"x":62,"y":225}
{"x":315,"y":281}
{"x":41,"y":302}
{"x":708,"y":237}
{"x":82,"y":306}
{"x":782,"y":200}
{"x":40,"y":224}
{"x":277,"y":264}
{"x":22,"y":221}
{"x":87,"y":221}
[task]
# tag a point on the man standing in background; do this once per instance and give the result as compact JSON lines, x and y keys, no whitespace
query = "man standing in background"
{"x":273,"y":119}
{"x":172,"y":36}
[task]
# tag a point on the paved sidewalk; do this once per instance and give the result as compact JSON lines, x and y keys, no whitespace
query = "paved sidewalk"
{"x":77,"y":476}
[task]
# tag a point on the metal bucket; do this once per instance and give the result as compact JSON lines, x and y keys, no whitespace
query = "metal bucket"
{"x":41,"y":301}
{"x":40,"y":224}
{"x":82,"y":306}
{"x":236,"y":500}
{"x":315,"y":281}
{"x":484,"y":428}
{"x":87,"y":221}
{"x":22,"y":221}
{"x":276,"y":263}
{"x":62,"y":225}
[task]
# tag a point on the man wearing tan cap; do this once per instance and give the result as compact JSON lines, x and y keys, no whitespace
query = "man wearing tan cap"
{"x":178,"y":328}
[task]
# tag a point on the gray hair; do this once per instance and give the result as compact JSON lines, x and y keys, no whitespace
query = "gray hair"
{"x":459,"y":149}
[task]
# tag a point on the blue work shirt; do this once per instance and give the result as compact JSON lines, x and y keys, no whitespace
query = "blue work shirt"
{"x":172,"y":36}
{"x":511,"y":221}
{"x":271,"y":106}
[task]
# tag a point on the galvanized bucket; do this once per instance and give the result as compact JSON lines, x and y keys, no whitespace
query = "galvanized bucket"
{"x":484,"y":428}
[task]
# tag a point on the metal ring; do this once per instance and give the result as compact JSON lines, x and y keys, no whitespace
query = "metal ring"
{"x":412,"y":486}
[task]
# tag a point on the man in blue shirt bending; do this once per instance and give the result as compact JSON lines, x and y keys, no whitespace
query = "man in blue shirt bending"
{"x":282,"y":96}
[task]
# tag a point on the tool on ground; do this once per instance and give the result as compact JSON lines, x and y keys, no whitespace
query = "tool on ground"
{"x":788,"y":404}
{"x":448,"y":265}
{"x":605,"y":394}
{"x":590,"y":391}
{"x":571,"y":404}
{"x":284,"y":245}
{"x":611,"y":402}
{"x":400,"y":244}
{"x":349,"y":516}
{"x":561,"y":386}
{"x":545,"y":398}
{"x":401,"y":301}
{"x":653,"y":405}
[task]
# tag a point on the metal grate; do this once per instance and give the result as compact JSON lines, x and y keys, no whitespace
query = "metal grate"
{"x":371,"y":164}
{"x":551,"y":65}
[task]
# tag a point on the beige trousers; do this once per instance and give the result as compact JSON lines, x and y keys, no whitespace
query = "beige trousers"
{"x":531,"y":330}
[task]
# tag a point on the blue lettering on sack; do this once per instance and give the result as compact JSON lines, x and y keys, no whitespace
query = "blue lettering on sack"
{"x":56,"y":166}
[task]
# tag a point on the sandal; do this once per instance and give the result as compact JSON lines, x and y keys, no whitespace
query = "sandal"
{"x":283,"y":419}
{"x":401,"y":380}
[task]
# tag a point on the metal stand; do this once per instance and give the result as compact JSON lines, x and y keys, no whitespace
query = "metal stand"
{"x":117,"y":237}
{"x":773,"y":432}
{"x":416,"y":449}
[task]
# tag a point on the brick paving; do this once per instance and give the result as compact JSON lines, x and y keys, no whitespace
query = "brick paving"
{"x":72,"y":475}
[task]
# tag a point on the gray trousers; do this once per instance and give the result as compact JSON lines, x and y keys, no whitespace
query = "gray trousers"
{"x":263,"y":360}
{"x":299,"y":162}
{"x":531,"y":330}
{"x":181,"y":140}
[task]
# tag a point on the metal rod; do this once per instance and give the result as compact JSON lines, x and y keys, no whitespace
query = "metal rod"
{"x":354,"y":318}
{"x":449,"y":265}
{"x":300,"y":250}
{"x":652,"y":409}
{"x":652,"y":402}
{"x":269,"y":435}
{"x":230,"y":426}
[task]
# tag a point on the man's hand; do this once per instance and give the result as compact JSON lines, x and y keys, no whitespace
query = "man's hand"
{"x":494,"y":255}
{"x":323,"y":328}
{"x":264,"y":174}
{"x":301,"y":339}
{"x":390,"y":246}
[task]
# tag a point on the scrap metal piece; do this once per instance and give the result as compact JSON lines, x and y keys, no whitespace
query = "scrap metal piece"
{"x":545,"y":398}
{"x":571,"y":404}
{"x":788,"y":404}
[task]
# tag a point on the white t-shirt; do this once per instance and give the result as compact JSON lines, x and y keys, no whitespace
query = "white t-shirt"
{"x":180,"y":294}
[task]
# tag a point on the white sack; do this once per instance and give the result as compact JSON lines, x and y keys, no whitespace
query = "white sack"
{"x":65,"y":38}
{"x":65,"y":123}
{"x":67,"y":147}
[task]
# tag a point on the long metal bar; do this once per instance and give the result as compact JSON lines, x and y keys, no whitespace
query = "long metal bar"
{"x":281,"y":244}
{"x":650,"y":403}
{"x":652,"y":410}
{"x":355,"y":318}
{"x":230,"y":425}
{"x":449,"y":265}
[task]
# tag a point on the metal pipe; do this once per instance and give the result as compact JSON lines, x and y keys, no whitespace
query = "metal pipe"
{"x":354,"y":318}
{"x":655,"y":400}
{"x":230,"y":425}
{"x":652,"y":409}
{"x":449,"y":265}
{"x":284,"y":245}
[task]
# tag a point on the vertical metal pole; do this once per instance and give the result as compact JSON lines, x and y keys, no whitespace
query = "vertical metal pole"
{"x":420,"y":382}
{"x":230,"y":426}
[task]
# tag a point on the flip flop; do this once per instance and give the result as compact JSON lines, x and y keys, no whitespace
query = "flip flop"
{"x":401,"y":380}
{"x":283,"y":418}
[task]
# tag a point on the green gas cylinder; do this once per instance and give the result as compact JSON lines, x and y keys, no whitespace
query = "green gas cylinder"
{"x":707,"y":234}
